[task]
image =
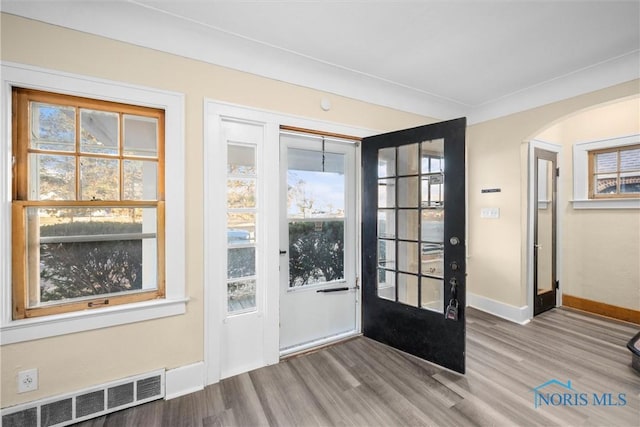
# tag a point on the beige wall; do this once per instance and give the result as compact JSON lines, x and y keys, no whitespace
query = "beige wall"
{"x":497,"y":156}
{"x":80,"y":360}
{"x":600,"y":249}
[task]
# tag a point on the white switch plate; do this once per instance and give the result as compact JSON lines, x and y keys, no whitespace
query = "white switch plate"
{"x":27,"y":380}
{"x":492,"y":213}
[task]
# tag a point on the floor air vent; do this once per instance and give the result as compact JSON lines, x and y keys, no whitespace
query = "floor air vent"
{"x":88,"y":403}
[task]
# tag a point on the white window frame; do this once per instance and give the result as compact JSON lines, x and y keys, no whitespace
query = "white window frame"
{"x":174,"y":303}
{"x":581,"y":198}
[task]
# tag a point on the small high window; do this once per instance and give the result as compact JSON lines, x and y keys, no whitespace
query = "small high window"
{"x":614,"y":172}
{"x":88,"y":203}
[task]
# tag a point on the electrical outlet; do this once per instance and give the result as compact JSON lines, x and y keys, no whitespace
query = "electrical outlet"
{"x":27,"y":380}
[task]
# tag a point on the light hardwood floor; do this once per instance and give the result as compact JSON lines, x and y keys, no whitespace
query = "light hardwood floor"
{"x":363,"y":383}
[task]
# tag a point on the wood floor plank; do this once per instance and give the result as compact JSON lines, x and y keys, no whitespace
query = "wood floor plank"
{"x":364,"y":383}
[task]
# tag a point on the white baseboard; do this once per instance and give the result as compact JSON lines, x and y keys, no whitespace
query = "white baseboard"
{"x":184,"y":380}
{"x":506,"y":311}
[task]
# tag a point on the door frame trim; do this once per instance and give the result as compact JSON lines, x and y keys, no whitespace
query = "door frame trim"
{"x":213,"y":316}
{"x":554,"y":148}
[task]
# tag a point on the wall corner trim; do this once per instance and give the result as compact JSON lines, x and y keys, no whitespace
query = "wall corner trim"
{"x":184,"y":380}
{"x":509,"y":312}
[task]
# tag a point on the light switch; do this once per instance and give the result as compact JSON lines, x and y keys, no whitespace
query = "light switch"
{"x":492,"y":213}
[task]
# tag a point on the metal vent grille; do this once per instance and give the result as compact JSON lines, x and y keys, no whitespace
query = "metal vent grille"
{"x":24,"y":418}
{"x":56,"y":412}
{"x":89,"y":403}
{"x":85,"y":404}
{"x":120,"y":395}
{"x":149,"y":387}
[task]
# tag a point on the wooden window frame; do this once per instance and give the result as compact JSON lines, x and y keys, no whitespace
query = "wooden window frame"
{"x":592,"y":174}
{"x":21,"y":99}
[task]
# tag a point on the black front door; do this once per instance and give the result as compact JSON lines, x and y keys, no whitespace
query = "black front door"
{"x":413,"y":241}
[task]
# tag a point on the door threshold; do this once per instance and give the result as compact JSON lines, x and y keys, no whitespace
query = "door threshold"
{"x":317,"y":345}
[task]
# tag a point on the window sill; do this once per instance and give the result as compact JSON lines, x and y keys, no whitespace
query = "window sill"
{"x":606,"y":204}
{"x":50,"y":326}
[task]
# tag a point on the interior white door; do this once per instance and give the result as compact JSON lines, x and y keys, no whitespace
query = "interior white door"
{"x":319,"y":296}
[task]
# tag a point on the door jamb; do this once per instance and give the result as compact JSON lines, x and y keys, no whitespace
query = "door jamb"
{"x":555,"y":148}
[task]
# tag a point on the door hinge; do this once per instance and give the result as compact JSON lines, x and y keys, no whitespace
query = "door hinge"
{"x":557,"y":171}
{"x":557,"y":284}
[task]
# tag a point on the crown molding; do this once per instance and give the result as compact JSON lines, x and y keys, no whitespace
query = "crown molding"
{"x":150,"y":28}
{"x":599,"y":76}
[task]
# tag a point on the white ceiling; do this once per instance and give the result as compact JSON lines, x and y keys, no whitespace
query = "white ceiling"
{"x":443,"y":59}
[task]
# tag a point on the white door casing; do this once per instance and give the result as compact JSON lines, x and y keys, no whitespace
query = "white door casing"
{"x":236,"y":343}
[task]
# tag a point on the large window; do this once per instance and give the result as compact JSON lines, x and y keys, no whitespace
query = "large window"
{"x":614,"y":172}
{"x":88,"y":203}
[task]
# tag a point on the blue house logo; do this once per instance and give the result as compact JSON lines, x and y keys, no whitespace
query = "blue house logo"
{"x":545,"y":398}
{"x":557,"y":393}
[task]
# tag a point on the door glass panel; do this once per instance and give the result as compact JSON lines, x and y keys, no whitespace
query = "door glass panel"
{"x":408,"y":257}
{"x":241,"y":295}
{"x":241,"y":262}
{"x":242,"y":206}
{"x":408,"y":192}
{"x":408,"y":224}
{"x":242,"y":159}
{"x":408,"y":159}
{"x":387,"y":193}
{"x":387,"y":254}
{"x":241,"y":193}
{"x":433,"y":225}
{"x":432,"y":156}
{"x":387,"y":284}
{"x":408,"y":289}
{"x":432,"y":194}
{"x":432,"y":259}
{"x":316,"y":215}
{"x":241,"y":228}
{"x":386,"y":162}
{"x":432,"y":294}
{"x":544,"y":237}
{"x":418,"y":226}
{"x":387,"y":223}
